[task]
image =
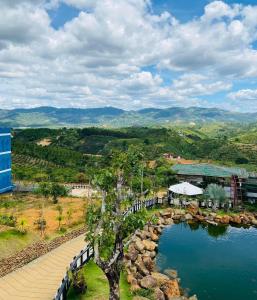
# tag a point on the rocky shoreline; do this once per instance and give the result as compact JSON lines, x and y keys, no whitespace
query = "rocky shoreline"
{"x":139,"y":260}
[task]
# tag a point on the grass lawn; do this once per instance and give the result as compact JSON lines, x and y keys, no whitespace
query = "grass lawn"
{"x":98,"y":286}
{"x":12,"y":241}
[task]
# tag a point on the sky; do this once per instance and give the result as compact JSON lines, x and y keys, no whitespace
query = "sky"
{"x":129,"y":54}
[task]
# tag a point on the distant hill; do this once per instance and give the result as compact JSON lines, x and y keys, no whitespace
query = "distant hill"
{"x":114,"y":117}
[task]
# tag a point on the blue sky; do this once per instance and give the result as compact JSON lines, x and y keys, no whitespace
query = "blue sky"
{"x":128,"y":53}
{"x":186,"y":10}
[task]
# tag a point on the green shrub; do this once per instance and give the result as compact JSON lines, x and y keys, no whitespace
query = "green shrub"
{"x":78,"y":281}
{"x":8,"y":220}
{"x":147,"y":293}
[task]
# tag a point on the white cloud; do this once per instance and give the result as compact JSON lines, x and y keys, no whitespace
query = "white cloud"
{"x":219,"y":9}
{"x":100,"y":57}
{"x":244,"y":95}
{"x":23,"y":24}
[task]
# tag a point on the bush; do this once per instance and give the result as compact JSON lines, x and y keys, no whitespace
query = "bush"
{"x":146,"y":293}
{"x":8,"y":220}
{"x":78,"y":281}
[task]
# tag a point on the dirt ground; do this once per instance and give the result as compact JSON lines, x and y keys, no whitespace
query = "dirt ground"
{"x":29,"y":207}
{"x":44,"y":142}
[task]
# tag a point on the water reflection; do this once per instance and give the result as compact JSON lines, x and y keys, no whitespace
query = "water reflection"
{"x":213,"y":230}
{"x":217,"y":231}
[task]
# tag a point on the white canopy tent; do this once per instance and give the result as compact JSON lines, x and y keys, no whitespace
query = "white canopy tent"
{"x":185,"y":188}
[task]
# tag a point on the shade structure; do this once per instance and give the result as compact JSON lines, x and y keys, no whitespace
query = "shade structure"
{"x":186,"y":188}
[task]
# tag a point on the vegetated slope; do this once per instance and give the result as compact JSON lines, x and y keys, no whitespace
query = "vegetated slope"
{"x":80,"y":149}
{"x":114,"y":117}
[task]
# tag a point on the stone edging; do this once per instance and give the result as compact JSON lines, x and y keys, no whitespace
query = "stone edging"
{"x":140,"y":265}
{"x":34,"y":251}
{"x":139,"y":261}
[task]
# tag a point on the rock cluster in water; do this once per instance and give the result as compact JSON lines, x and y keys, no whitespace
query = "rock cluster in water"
{"x":246,"y":218}
{"x":140,"y":259}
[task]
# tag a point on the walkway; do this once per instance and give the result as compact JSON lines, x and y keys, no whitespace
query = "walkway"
{"x":40,"y":279}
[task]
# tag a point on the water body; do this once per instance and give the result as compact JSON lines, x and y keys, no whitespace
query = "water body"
{"x":214,"y":262}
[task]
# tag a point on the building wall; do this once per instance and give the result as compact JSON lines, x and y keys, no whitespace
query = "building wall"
{"x":5,"y":160}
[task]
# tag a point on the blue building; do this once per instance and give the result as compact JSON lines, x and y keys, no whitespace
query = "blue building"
{"x":5,"y":160}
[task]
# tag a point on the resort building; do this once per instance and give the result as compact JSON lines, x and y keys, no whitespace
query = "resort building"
{"x":5,"y":160}
{"x":171,"y":156}
{"x":238,"y":183}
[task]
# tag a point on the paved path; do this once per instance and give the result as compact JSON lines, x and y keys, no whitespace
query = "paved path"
{"x":40,"y":279}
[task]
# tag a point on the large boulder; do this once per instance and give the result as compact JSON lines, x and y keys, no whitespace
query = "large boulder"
{"x":127,"y":263}
{"x":166,"y":213}
{"x":158,"y":294}
{"x":143,"y":234}
{"x":173,"y":274}
{"x":148,"y":282}
{"x":131,"y":279}
{"x":168,"y":221}
{"x":135,"y":287}
{"x":177,"y":217}
{"x":245,"y":219}
{"x":192,"y":298}
{"x":200,"y":218}
{"x":154,"y":237}
{"x":160,"y":221}
{"x":149,"y":245}
{"x":152,"y":254}
{"x":160,"y":278}
{"x":254,"y":221}
{"x":225,"y":219}
{"x":141,"y":266}
{"x":159,"y":229}
{"x":188,"y":217}
{"x":148,"y":262}
{"x":193,"y":208}
{"x":132,"y":254}
{"x":213,"y":214}
{"x":133,"y":270}
{"x":217,"y":219}
{"x":139,"y":245}
{"x":236,"y":219}
{"x":171,"y":289}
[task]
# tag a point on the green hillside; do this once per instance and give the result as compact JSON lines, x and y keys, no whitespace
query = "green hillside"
{"x":68,"y":153}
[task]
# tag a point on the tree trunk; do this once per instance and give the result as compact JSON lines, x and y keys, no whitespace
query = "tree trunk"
{"x":113,"y":276}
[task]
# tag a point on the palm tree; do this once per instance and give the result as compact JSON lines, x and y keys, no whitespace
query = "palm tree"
{"x":22,"y":224}
{"x":217,"y":194}
{"x":59,"y":217}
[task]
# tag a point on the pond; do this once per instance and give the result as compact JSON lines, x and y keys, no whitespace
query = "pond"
{"x":213,"y":262}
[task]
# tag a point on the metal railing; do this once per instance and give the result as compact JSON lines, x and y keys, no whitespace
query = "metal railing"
{"x":88,"y":252}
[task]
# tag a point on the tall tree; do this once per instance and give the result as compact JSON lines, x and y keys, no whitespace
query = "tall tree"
{"x":106,"y":224}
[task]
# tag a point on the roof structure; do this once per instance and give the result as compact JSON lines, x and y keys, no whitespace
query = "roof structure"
{"x":209,"y":170}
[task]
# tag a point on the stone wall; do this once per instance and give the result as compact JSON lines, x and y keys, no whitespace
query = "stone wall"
{"x":34,"y":251}
{"x":140,"y":262}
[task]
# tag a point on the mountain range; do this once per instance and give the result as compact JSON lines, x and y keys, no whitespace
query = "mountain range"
{"x":114,"y":117}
